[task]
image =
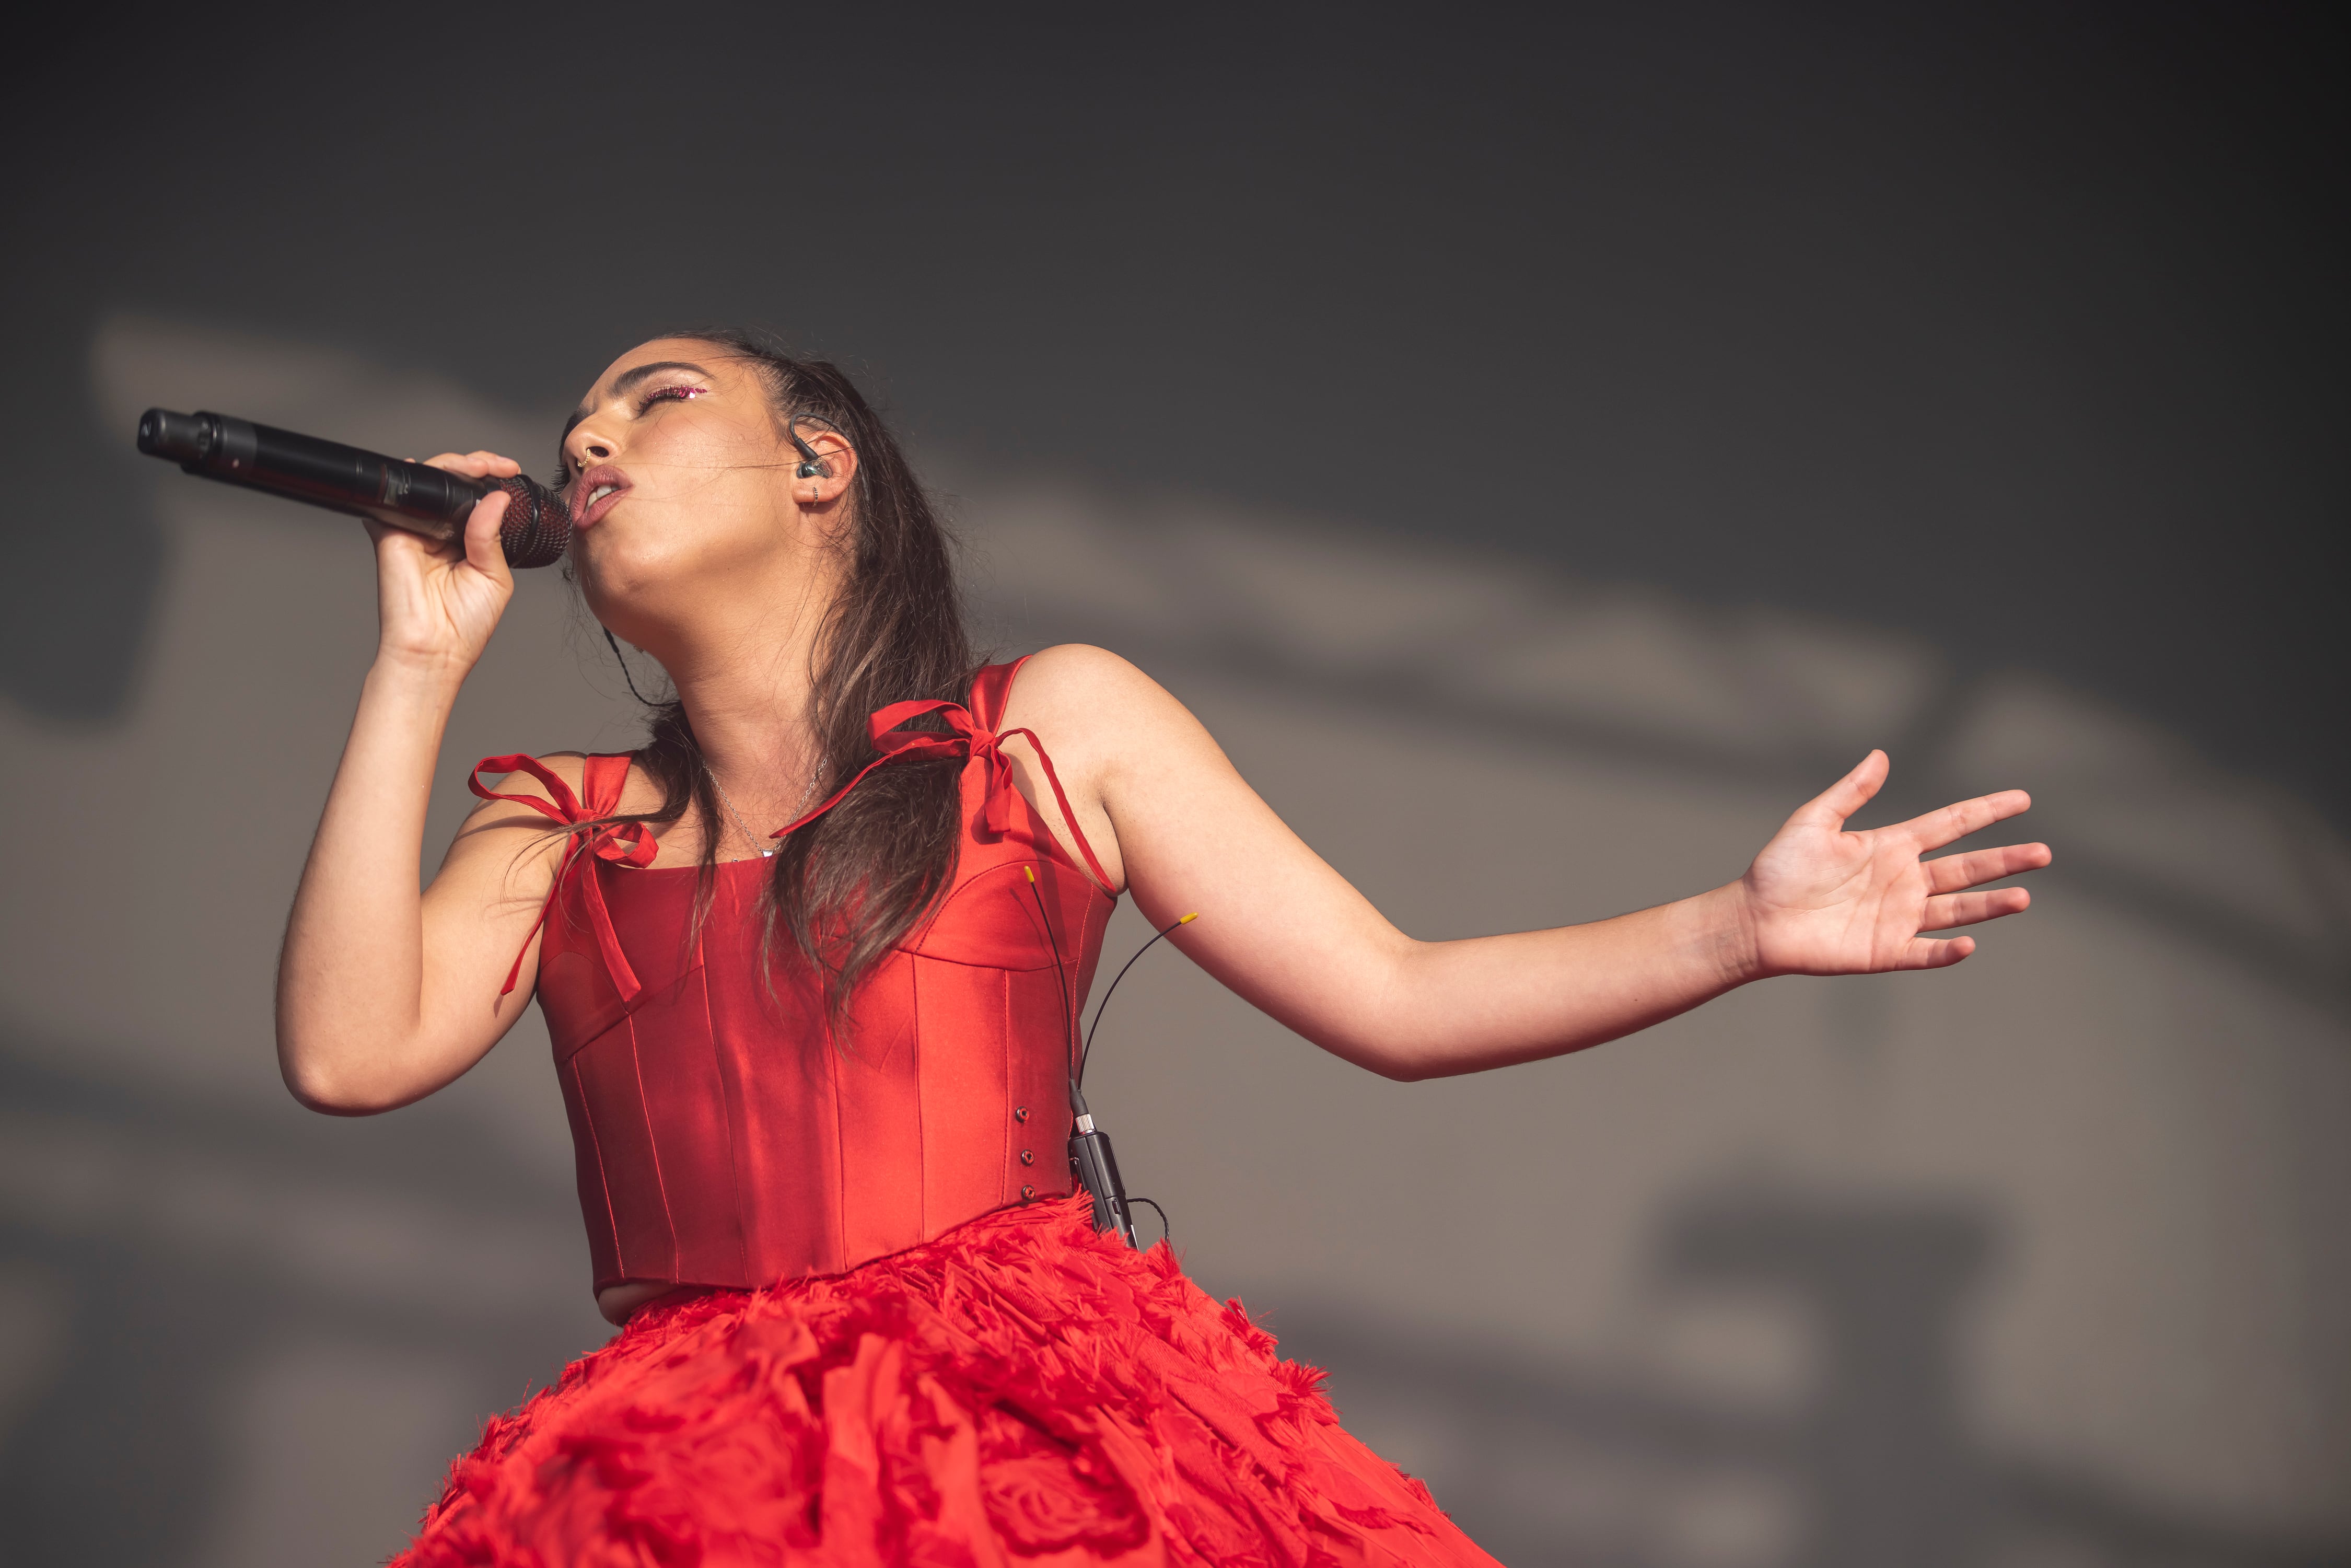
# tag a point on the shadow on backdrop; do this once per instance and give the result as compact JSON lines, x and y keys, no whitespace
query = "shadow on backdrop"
{"x":1587,"y":1467}
{"x":176,"y":1248}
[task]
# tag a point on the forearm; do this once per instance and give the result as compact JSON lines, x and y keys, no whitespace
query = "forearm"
{"x":351,"y":978}
{"x":1449,"y":1008}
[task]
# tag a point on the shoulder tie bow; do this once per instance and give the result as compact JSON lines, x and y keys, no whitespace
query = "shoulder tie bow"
{"x":626,"y":843}
{"x":963,"y":737}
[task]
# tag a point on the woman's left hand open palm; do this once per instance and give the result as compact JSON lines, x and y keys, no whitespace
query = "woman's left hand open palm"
{"x":1821,"y":900}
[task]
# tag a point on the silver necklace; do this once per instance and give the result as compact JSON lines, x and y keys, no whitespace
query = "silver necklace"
{"x":740,"y":826}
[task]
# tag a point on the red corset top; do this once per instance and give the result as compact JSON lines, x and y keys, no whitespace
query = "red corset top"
{"x":722,"y":1137}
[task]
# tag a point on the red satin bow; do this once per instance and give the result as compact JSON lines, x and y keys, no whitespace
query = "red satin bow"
{"x":625,"y":843}
{"x":963,"y":737}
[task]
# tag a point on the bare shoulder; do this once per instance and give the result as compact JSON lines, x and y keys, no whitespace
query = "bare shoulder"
{"x":1091,"y":696}
{"x":1073,"y":677}
{"x":1099,"y":708}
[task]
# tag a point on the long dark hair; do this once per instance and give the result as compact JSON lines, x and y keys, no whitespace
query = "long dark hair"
{"x":847,"y":887}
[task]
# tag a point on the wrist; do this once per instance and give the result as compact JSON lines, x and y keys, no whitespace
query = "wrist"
{"x":1726,"y":924}
{"x":429,"y":676}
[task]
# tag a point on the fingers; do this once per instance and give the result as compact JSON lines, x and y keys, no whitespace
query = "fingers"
{"x":1924,"y":953}
{"x":1848,"y":794}
{"x":1952,"y":872}
{"x":1956,"y":821}
{"x":485,"y":552}
{"x":404,"y":544}
{"x":476,"y":465}
{"x":1956,"y":909}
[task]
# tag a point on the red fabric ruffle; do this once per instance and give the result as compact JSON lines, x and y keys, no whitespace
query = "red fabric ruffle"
{"x":1022,"y":1391}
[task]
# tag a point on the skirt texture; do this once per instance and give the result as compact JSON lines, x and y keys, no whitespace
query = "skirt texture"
{"x":1022,"y":1391}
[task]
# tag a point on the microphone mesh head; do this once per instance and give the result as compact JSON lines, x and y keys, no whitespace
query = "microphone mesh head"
{"x":538,"y":525}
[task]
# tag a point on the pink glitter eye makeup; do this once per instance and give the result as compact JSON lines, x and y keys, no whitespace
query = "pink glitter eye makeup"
{"x":670,"y":394}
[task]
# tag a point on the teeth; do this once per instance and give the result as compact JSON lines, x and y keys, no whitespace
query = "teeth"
{"x":599,"y":492}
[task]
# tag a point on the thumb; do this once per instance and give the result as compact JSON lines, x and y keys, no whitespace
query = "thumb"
{"x":1848,"y":794}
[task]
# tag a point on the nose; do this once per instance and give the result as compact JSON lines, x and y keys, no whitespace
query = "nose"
{"x":586,"y":449}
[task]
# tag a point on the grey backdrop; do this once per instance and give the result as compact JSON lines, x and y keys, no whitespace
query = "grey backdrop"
{"x":1543,"y":451}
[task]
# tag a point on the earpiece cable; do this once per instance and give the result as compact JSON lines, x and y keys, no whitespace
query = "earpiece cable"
{"x":1061,"y":973}
{"x":615,"y":645}
{"x":1086,"y":1050}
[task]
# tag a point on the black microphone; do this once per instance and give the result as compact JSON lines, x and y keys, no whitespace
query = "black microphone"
{"x":413,"y":495}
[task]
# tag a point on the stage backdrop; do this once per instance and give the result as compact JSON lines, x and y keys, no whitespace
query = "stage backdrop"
{"x":1543,"y":458}
{"x":1910,"y":1268}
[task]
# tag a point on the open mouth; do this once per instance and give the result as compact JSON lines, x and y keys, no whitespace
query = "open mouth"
{"x":595,"y":493}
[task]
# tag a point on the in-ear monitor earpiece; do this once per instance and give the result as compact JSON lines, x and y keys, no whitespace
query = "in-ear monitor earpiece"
{"x":811,"y":465}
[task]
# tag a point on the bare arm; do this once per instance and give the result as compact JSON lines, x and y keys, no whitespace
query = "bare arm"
{"x":386,"y":991}
{"x":1174,"y":820}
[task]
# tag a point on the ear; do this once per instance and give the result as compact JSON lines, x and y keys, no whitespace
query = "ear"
{"x":835,"y":456}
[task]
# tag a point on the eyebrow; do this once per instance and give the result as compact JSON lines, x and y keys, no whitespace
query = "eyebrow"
{"x":631,"y":378}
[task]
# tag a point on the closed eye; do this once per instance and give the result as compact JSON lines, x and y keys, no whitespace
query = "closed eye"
{"x":679,"y":393}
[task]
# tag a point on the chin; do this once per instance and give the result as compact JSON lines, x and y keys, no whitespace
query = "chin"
{"x":627,"y":577}
{"x":617,"y":574}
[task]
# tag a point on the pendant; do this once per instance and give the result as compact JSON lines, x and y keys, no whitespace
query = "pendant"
{"x":767,"y":854}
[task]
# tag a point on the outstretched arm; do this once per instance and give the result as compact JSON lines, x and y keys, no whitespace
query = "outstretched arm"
{"x":1171,"y":817}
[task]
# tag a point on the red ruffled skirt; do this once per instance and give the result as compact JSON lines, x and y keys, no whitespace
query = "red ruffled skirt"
{"x":1019,"y":1391}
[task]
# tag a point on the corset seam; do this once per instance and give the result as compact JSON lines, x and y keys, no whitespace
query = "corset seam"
{"x":604,"y":1176}
{"x":652,"y":1144}
{"x":922,"y":1143}
{"x":1011,"y":1082}
{"x":838,"y":1218}
{"x":975,"y":963}
{"x":726,"y":1120}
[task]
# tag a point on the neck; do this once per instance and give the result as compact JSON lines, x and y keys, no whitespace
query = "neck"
{"x":744,"y":666}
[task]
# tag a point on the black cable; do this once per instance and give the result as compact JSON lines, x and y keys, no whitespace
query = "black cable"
{"x":1061,"y":973}
{"x":1086,"y":1051}
{"x":1164,"y":1234}
{"x":640,"y":696}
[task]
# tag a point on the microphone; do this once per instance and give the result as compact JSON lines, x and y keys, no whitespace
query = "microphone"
{"x":413,"y":495}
